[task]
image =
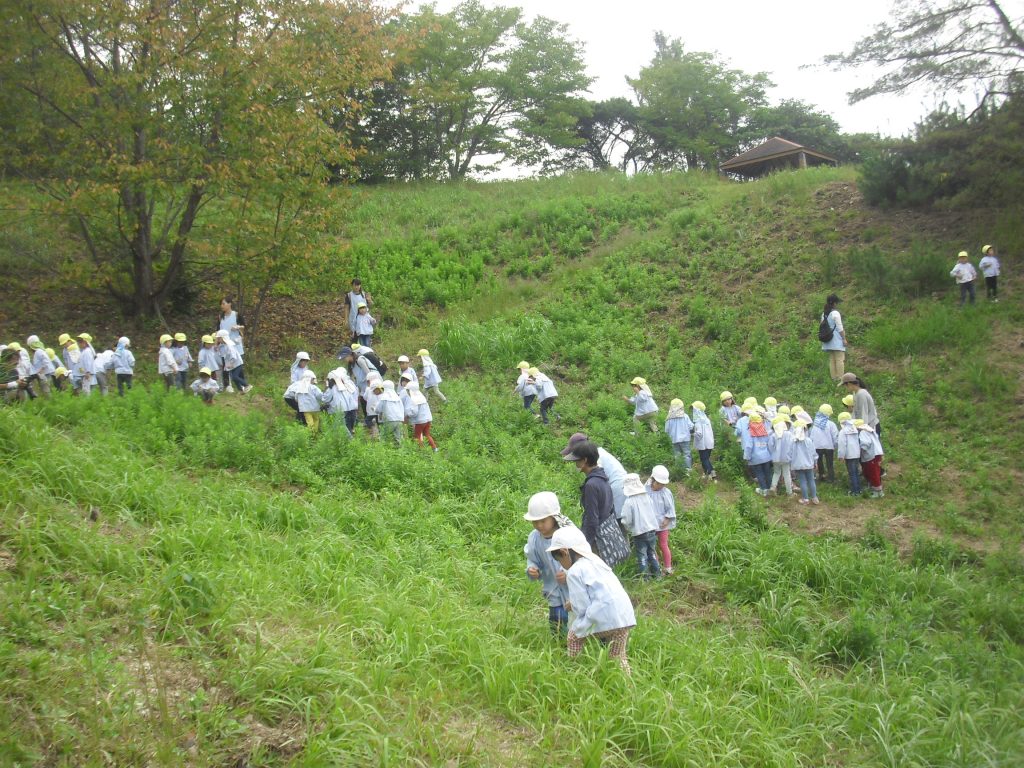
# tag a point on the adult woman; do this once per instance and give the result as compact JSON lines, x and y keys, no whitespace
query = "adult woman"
{"x":863,"y":403}
{"x":836,"y":346}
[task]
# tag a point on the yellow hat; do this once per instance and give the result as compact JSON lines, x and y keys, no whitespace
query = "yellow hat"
{"x":85,"y":336}
{"x":699,"y":405}
{"x":165,"y":338}
{"x":180,"y":337}
{"x":986,"y":248}
{"x":206,"y":370}
{"x":14,"y":347}
{"x":848,"y":401}
{"x":784,"y":409}
{"x":858,"y":422}
{"x":208,"y":339}
{"x":962,"y":255}
{"x":534,"y":371}
{"x":50,"y":353}
{"x":771,"y":402}
{"x":796,"y":409}
{"x":844,"y":417}
{"x":826,"y":409}
{"x":63,"y":339}
{"x":423,"y":353}
{"x":756,"y":418}
{"x":726,"y":395}
{"x":638,"y":381}
{"x":523,"y":365}
{"x":60,"y":371}
{"x":361,"y":304}
{"x":677,"y":403}
{"x":749,"y":402}
{"x":355,"y":346}
{"x":781,"y":419}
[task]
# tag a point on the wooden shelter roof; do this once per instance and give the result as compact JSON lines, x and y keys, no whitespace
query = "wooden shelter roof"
{"x":774,"y":149}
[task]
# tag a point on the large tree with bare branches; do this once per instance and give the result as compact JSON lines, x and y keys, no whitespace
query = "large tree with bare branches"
{"x":134,"y":115}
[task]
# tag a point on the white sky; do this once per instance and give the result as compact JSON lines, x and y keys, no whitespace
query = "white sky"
{"x":777,"y":38}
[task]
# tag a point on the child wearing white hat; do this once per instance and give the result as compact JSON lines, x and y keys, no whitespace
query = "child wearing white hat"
{"x":645,"y":410}
{"x":206,"y":386}
{"x":342,"y":397}
{"x":234,"y":365}
{"x":665,"y":509}
{"x":703,"y":439}
{"x":642,"y":522}
{"x":545,"y":513}
{"x":299,"y":364}
{"x":678,"y":427}
{"x":417,"y":412}
{"x":390,"y":412}
{"x":124,"y":365}
{"x":208,"y":357}
{"x":374,"y":389}
{"x":525,"y":387}
{"x":308,"y":398}
{"x":405,"y":369}
{"x":431,"y":375}
{"x":598,"y":605}
{"x":825,"y":436}
{"x":546,"y":392}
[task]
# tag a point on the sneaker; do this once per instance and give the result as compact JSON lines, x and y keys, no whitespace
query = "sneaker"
{"x":669,"y":571}
{"x":804,"y":501}
{"x":877,"y":494}
{"x":771,"y":492}
{"x":815,"y":501}
{"x":230,"y":390}
{"x":246,"y":390}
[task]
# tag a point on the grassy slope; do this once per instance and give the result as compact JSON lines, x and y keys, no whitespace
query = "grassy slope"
{"x":247,"y":594}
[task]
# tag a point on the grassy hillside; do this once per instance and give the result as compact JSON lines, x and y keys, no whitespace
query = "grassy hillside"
{"x":248,"y":596}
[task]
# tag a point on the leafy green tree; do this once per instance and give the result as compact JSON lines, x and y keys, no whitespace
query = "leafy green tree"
{"x":134,"y":115}
{"x":608,"y":137}
{"x":951,"y":45}
{"x":479,"y":87}
{"x":692,"y":109}
{"x":800,"y":122}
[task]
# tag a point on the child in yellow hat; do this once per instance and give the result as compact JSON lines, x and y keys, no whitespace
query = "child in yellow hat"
{"x":166,"y":365}
{"x":182,"y":357}
{"x":645,"y":410}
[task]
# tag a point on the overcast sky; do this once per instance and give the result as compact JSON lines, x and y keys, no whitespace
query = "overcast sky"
{"x":777,"y":38}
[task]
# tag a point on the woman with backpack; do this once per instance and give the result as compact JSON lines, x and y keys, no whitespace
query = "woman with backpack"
{"x":832,"y":336}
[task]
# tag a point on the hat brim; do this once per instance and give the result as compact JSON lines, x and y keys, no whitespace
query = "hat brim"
{"x":570,"y":456}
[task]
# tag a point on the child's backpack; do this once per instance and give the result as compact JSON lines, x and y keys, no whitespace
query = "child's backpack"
{"x":377,"y":363}
{"x":825,"y":330}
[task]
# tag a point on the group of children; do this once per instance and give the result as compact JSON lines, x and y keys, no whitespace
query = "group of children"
{"x":779,"y":441}
{"x":37,"y":370}
{"x":533,"y":384}
{"x":965,"y":274}
{"x":359,"y":385}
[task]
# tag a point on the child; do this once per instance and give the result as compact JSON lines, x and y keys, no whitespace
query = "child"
{"x":234,"y":365}
{"x":390,"y":412}
{"x":374,"y":389}
{"x":525,"y":388}
{"x":124,"y":365}
{"x":642,"y":522}
{"x":870,"y":457}
{"x":848,"y":450}
{"x":598,"y":603}
{"x":364,"y":325}
{"x":782,"y":454}
{"x":645,"y":410}
{"x":405,"y":370}
{"x":103,"y":365}
{"x":69,"y":355}
{"x":18,"y":373}
{"x":990,"y":269}
{"x":665,"y":509}
{"x":208,"y":357}
{"x":771,"y":409}
{"x":848,"y":401}
{"x":546,"y":392}
{"x":341,"y":396}
{"x":61,"y":375}
{"x":183,"y":357}
{"x":804,"y":458}
{"x":166,"y":366}
{"x":730,"y":411}
{"x":308,"y":397}
{"x":545,"y":513}
{"x":678,"y":428}
{"x":431,"y":376}
{"x":703,"y":440}
{"x":965,"y":275}
{"x":419,"y":415}
{"x":206,"y":386}
{"x":824,"y":434}
{"x":757,"y":445}
{"x":86,"y":363}
{"x":739,"y":429}
{"x":41,"y":367}
{"x":300,"y":364}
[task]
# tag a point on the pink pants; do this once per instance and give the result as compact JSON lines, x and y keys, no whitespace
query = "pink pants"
{"x":666,"y":553}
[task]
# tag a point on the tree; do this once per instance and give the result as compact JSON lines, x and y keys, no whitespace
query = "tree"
{"x":800,"y":122}
{"x":478,"y":83}
{"x":951,"y":45}
{"x":691,"y":108}
{"x":133,"y":115}
{"x":607,"y":134}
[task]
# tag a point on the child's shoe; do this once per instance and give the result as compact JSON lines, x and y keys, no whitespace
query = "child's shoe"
{"x":246,"y":390}
{"x":229,"y":390}
{"x":815,"y":501}
{"x":877,"y":493}
{"x":804,"y":501}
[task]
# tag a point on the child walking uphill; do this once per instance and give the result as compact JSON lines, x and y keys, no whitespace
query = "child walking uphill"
{"x":341,"y":398}
{"x":703,"y":439}
{"x":308,"y":396}
{"x":645,"y":410}
{"x":525,"y":387}
{"x":757,"y":452}
{"x":547,"y":393}
{"x":391,"y":413}
{"x":431,"y":376}
{"x":664,"y":508}
{"x":234,"y":365}
{"x":419,"y":415}
{"x":824,"y":435}
{"x":642,"y":522}
{"x":545,"y":513}
{"x":678,"y":427}
{"x":804,"y":458}
{"x":848,"y":450}
{"x":598,"y":605}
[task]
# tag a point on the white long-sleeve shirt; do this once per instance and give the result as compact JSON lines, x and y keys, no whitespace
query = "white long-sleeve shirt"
{"x":165,"y":362}
{"x":964,"y":272}
{"x":599,"y":603}
{"x":989,"y":266}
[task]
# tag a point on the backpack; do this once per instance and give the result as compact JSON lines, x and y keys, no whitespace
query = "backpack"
{"x":377,"y":363}
{"x":825,"y":330}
